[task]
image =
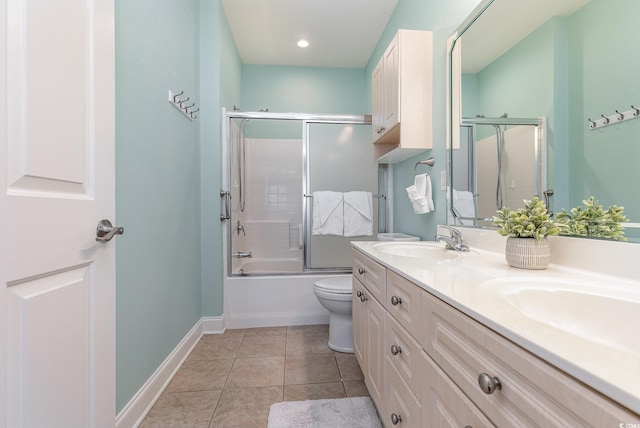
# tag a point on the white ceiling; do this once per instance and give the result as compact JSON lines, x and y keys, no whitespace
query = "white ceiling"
{"x":341,"y":33}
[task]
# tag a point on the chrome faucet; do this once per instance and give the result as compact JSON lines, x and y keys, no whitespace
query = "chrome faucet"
{"x":242,"y":255}
{"x":239,"y":228}
{"x":454,"y":241}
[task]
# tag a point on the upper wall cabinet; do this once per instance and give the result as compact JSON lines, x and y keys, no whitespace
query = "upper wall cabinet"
{"x":401,"y":97}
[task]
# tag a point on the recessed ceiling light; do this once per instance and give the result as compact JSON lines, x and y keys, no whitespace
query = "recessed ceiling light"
{"x":302,"y":43}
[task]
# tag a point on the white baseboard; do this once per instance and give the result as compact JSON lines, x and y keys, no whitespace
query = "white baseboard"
{"x":212,"y":325}
{"x":137,"y":408}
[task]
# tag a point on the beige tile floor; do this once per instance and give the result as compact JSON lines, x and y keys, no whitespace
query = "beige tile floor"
{"x":231,"y":379}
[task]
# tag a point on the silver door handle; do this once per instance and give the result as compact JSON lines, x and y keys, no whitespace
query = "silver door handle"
{"x":105,"y":231}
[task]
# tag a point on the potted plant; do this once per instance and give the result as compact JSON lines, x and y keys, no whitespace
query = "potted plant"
{"x":527,"y":230}
{"x":593,"y":220}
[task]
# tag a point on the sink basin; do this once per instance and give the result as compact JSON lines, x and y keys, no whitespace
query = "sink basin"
{"x":606,"y":313}
{"x":420,"y":250}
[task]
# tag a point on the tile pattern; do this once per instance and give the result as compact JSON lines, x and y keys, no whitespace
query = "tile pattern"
{"x":231,"y":379}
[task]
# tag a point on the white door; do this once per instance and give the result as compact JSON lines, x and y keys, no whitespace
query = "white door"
{"x":57,"y":284}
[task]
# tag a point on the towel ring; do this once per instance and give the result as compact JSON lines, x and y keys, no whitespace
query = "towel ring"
{"x":429,"y":162}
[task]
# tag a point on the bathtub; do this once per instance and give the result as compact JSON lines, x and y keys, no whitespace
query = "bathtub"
{"x":274,"y":300}
{"x":262,"y":266}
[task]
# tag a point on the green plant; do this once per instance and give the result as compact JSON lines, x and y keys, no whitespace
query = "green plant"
{"x":532,"y":221}
{"x":593,"y":220}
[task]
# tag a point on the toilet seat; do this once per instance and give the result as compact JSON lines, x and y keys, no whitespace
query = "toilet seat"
{"x":335,"y":285}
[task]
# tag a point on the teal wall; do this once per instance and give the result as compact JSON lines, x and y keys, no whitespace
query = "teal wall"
{"x":603,"y":79}
{"x":157,"y":187}
{"x":220,"y":82}
{"x":441,"y":17}
{"x":303,"y":89}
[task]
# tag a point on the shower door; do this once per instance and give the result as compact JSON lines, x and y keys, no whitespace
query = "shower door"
{"x":339,"y":157}
{"x":265,"y":226}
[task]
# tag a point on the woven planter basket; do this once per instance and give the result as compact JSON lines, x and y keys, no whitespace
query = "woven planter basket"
{"x":527,"y":253}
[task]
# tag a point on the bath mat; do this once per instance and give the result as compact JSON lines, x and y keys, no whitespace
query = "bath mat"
{"x":353,"y":412}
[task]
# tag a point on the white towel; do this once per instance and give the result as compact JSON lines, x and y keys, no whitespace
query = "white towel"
{"x":464,"y":205}
{"x":420,"y":194}
{"x":327,"y":213}
{"x":358,"y":214}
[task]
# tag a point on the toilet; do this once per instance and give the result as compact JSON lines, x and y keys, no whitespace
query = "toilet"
{"x":335,"y":295}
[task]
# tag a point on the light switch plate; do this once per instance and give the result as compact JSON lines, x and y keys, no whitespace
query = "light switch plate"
{"x":443,"y":180}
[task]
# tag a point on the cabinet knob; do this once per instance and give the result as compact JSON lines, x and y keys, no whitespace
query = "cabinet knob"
{"x":361,"y":271}
{"x":380,"y":130}
{"x":363,"y":298}
{"x":359,"y":293}
{"x":395,"y":419}
{"x":395,"y":300}
{"x":488,"y":384}
{"x":395,"y":350}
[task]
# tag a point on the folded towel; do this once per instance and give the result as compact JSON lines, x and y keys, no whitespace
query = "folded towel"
{"x":327,"y":213}
{"x":358,"y":214}
{"x":464,"y":205}
{"x":420,"y":194}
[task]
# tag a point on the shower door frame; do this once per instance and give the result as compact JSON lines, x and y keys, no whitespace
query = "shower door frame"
{"x":306,"y":119}
{"x":540,"y":155}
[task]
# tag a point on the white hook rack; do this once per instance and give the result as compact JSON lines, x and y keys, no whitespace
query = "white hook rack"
{"x":184,"y":104}
{"x":618,"y":117}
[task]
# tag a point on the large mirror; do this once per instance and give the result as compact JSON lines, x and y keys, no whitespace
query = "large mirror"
{"x":572,"y":64}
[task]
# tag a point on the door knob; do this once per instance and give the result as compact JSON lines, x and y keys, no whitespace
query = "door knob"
{"x":105,"y":231}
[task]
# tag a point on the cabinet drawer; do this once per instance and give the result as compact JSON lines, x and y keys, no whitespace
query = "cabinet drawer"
{"x":533,"y":393}
{"x":404,"y":353}
{"x":371,"y":274}
{"x":403,"y":300}
{"x":401,"y":402}
{"x":443,"y":404}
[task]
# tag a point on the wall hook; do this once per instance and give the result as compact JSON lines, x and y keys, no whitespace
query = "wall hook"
{"x":592,"y":124}
{"x":188,"y":107}
{"x":636,"y":112}
{"x":620,"y":115}
{"x":175,"y":97}
{"x":606,"y":119}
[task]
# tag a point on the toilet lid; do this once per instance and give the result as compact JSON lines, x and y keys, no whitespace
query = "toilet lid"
{"x":335,"y":284}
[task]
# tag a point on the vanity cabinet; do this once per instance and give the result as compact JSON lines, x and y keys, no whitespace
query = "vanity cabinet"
{"x":435,"y":357}
{"x":531,"y":392}
{"x":369,"y":322}
{"x":401,"y":97}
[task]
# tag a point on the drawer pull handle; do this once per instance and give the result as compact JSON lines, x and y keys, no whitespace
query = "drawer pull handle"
{"x":395,"y":300}
{"x":361,"y":271}
{"x":363,"y":298}
{"x":488,"y":384}
{"x":395,"y":350}
{"x":395,"y":419}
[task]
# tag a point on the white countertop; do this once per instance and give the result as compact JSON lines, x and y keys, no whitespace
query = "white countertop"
{"x":613,"y":371}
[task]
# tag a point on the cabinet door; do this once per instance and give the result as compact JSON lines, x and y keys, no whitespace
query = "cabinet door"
{"x":402,"y":408}
{"x":443,"y":403}
{"x":359,"y":323}
{"x":376,"y":100}
{"x":391,"y":85}
{"x":374,"y":351}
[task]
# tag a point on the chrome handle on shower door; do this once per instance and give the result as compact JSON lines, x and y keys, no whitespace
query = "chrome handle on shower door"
{"x":226,"y":205}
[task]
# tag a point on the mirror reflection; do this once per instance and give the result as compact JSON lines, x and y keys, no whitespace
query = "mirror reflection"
{"x":570,"y":63}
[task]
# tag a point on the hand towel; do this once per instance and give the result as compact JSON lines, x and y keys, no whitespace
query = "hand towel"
{"x":464,"y":205}
{"x":420,"y":194}
{"x":358,"y":213}
{"x":327,"y":213}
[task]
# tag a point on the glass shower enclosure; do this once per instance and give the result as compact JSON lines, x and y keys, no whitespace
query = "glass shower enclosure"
{"x":274,"y":163}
